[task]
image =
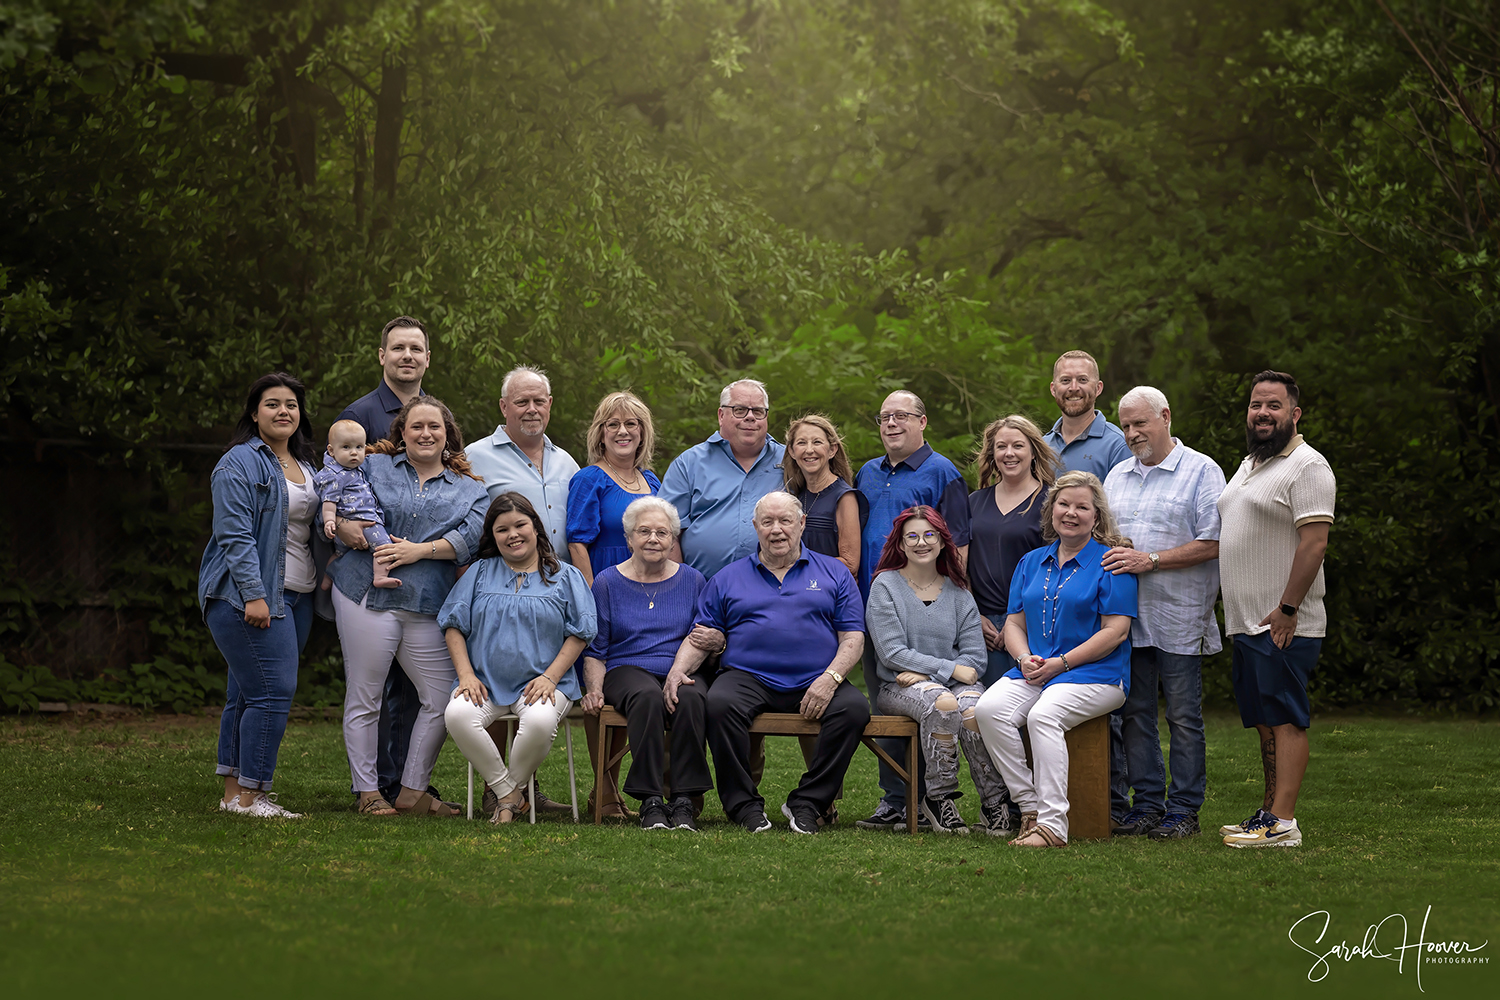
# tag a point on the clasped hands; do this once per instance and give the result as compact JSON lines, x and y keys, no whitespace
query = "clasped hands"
{"x":1039,"y":670}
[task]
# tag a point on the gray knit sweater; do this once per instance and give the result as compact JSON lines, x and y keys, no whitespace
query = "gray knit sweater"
{"x":925,"y":639}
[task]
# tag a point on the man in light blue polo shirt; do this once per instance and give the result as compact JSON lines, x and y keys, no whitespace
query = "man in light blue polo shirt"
{"x":1082,"y":438}
{"x":715,"y":484}
{"x":519,"y":457}
{"x":1166,"y":500}
{"x":791,"y":622}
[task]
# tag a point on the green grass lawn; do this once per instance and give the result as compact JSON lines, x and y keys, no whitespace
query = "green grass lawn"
{"x":118,"y":875}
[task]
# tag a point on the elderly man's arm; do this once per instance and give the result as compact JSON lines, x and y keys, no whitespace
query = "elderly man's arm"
{"x":686,"y":663}
{"x":1122,"y":560}
{"x":820,"y":692}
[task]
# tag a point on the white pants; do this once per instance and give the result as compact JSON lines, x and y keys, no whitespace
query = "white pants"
{"x":370,"y":639}
{"x":537,"y":728}
{"x":1047,"y":713}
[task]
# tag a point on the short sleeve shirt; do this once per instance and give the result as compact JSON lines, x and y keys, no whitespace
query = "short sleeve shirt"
{"x":1063,"y":607}
{"x":782,"y":632}
{"x":1096,"y":450}
{"x":1262,"y":508}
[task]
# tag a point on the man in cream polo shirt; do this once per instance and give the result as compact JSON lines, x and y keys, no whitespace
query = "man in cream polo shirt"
{"x":1275,"y":514}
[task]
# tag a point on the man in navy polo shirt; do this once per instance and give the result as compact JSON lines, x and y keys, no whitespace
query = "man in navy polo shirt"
{"x":404,"y":356}
{"x":910,"y":474}
{"x":792,"y":623}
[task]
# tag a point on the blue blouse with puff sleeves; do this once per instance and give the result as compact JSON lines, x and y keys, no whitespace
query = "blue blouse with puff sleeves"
{"x":449,"y":507}
{"x":515,"y":624}
{"x":1063,"y":606}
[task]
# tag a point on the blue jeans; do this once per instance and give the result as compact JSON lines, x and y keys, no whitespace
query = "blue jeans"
{"x":1180,"y":677}
{"x":262,"y":678}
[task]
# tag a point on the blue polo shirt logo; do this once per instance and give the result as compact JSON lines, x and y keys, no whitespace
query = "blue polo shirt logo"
{"x":813,"y":586}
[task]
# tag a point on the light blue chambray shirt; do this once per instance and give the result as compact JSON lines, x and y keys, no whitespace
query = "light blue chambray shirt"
{"x":1160,"y":507}
{"x":504,"y":467}
{"x":715,"y":497}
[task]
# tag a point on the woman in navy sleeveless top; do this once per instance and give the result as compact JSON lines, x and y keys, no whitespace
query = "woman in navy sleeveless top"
{"x":821,"y":477}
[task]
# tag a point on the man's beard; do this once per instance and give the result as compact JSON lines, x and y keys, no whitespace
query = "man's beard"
{"x":1143,"y":451}
{"x":1075,"y":407}
{"x":1260,"y":450}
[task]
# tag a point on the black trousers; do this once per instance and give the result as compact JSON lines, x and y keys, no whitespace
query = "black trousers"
{"x":636,"y":694}
{"x":736,"y":698}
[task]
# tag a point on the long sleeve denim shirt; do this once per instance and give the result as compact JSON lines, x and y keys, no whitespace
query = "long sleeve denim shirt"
{"x":449,"y":507}
{"x":246,"y":555}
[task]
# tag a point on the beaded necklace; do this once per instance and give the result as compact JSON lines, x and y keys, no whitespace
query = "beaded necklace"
{"x":1047,"y":582}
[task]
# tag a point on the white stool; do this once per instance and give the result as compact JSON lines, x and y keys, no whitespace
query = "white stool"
{"x":575,"y":714}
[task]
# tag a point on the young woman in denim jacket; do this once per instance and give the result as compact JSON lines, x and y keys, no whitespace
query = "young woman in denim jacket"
{"x":434,"y":510}
{"x":256,"y":584}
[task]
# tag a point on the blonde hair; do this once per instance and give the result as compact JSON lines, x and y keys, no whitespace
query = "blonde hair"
{"x":1106,"y":531}
{"x":349,"y":426}
{"x":1076,"y":356}
{"x":630,"y":405}
{"x":838,"y":464}
{"x":1045,"y":464}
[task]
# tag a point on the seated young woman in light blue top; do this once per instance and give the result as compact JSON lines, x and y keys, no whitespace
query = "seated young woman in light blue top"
{"x":514,"y":623}
{"x":1068,"y":630}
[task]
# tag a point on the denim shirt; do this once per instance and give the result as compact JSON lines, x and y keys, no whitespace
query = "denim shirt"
{"x":246,"y":555}
{"x":450,"y":507}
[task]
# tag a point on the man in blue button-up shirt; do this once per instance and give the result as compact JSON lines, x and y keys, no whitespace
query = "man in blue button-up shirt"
{"x":1165,"y":499}
{"x":1082,"y":438}
{"x":715,"y":485}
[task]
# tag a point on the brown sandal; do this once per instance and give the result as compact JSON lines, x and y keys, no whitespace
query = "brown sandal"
{"x":426,"y":805}
{"x":515,"y":809}
{"x":1040,"y":837}
{"x":1028,"y":824}
{"x":376,"y":805}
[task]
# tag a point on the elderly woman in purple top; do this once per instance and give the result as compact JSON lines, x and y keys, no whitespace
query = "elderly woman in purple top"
{"x":645,"y":608}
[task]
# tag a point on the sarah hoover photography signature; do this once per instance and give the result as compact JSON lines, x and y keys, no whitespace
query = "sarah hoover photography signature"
{"x":1309,"y":932}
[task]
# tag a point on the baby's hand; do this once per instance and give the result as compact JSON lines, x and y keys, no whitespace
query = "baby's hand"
{"x":330,"y":528}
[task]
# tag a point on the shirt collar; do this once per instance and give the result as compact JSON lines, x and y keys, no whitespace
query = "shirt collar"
{"x":1056,"y":545}
{"x":400,"y":459}
{"x":501,"y":438}
{"x":388,"y":398}
{"x":1169,"y":463}
{"x":1291,"y":445}
{"x":717,"y":438}
{"x":799,"y":561}
{"x":913,"y":461}
{"x":1096,"y":429}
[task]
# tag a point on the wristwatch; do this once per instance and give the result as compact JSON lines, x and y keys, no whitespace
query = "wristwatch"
{"x":1155,"y":561}
{"x":838,"y":678}
{"x":1290,"y":610}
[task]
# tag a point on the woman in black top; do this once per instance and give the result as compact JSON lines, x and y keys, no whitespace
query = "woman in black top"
{"x":820,"y":476}
{"x":1016,"y":468}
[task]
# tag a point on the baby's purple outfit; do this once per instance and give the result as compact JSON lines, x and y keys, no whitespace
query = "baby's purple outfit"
{"x":352,"y":496}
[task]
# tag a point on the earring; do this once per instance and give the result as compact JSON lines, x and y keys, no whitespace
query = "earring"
{"x":447,"y":454}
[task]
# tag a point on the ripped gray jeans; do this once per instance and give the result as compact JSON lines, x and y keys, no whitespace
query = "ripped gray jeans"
{"x":942,"y":732}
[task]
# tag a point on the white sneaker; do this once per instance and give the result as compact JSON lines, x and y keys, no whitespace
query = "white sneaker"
{"x":265,"y":807}
{"x":232,"y":805}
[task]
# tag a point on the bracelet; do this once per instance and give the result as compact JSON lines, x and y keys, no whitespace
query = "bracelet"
{"x":434,"y":551}
{"x":1064,"y":658}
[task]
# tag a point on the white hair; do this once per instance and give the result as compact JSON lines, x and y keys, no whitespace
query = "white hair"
{"x":1150,"y":396}
{"x":777,"y":495}
{"x":524,"y":370}
{"x":724,"y":393}
{"x":645,"y":505}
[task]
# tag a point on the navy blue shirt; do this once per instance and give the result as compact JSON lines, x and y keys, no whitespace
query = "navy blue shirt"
{"x":374,"y":412}
{"x":923,"y":477}
{"x":783,"y":633}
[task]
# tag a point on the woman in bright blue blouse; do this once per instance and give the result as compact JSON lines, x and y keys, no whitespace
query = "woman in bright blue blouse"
{"x":514,"y":624}
{"x":621,"y":440}
{"x":1068,"y":629}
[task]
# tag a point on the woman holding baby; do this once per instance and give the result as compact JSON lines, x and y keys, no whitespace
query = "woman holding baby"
{"x":433,"y":509}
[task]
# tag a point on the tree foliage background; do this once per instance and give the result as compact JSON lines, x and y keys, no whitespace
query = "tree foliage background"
{"x":839,"y":197}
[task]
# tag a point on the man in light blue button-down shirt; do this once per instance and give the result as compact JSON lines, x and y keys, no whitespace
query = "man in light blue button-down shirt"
{"x":1165,"y":498}
{"x":519,"y":457}
{"x":714,"y":485}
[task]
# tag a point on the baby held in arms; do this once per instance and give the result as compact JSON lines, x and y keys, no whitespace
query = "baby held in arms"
{"x":346,"y":493}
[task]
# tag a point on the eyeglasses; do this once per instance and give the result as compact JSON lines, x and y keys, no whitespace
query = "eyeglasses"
{"x":741,"y":412}
{"x":913,"y":538}
{"x":899,"y":416}
{"x":649,"y":533}
{"x":631,"y":425}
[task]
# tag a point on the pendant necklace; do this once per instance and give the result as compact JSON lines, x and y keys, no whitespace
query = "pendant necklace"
{"x":1062,"y":582}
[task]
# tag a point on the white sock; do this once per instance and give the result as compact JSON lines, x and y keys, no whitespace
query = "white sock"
{"x":1286,"y":823}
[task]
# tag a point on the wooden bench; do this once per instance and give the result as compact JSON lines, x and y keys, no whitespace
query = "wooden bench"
{"x":790,"y":724}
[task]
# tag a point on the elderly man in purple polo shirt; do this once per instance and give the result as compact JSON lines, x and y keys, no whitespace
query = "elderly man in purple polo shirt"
{"x":792,"y":623}
{"x":1166,"y":499}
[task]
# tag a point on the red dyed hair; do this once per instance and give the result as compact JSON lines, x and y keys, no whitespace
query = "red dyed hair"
{"x":949,"y":562}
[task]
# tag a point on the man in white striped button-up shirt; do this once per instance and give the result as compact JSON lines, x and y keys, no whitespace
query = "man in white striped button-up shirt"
{"x":1165,"y":498}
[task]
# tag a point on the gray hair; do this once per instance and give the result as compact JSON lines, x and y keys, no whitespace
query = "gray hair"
{"x":645,"y":505}
{"x":778,"y":495}
{"x":524,"y":370}
{"x":724,"y":393}
{"x":1149,"y":395}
